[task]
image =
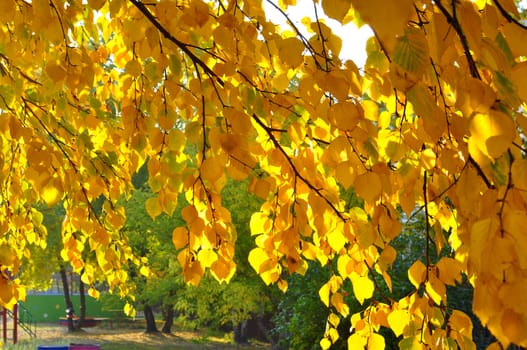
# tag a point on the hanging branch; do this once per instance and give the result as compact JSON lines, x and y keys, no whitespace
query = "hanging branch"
{"x":508,"y":16}
{"x":183,"y":46}
{"x":454,"y":22}
{"x":427,"y":223}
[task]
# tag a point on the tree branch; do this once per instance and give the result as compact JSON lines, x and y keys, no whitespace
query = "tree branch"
{"x":184,"y":47}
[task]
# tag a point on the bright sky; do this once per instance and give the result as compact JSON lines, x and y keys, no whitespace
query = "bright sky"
{"x":353,"y":39}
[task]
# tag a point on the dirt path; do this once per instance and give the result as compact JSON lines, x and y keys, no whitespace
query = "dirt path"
{"x":132,"y":338}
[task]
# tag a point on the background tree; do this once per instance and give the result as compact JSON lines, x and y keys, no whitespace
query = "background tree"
{"x":205,"y":91}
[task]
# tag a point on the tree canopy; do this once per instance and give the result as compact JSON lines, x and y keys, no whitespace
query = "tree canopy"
{"x":199,"y":92}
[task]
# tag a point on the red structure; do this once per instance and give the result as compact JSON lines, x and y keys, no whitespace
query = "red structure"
{"x":14,"y":315}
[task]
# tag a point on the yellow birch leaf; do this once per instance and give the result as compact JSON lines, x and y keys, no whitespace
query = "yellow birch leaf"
{"x":334,"y":319}
{"x":290,"y":51}
{"x":461,"y":323}
{"x":260,"y":223}
{"x":345,"y":115}
{"x":180,"y":237}
{"x":261,"y":188}
{"x":516,"y":38}
{"x":129,"y":310}
{"x":491,"y":133}
{"x":356,"y":341}
{"x":145,"y":271}
{"x":325,"y":343}
{"x":134,"y":68}
{"x":376,"y":342}
{"x":344,"y":265}
{"x":388,"y":23}
{"x":480,"y":234}
{"x":416,"y":273}
{"x":449,"y":271}
{"x":257,"y":258}
{"x":153,"y":208}
{"x":50,"y":194}
{"x":223,"y":270}
{"x":336,"y":9}
{"x":324,"y":294}
{"x":345,"y":174}
{"x":435,"y":289}
{"x":336,"y":240}
{"x":56,"y":71}
{"x":368,"y":186}
{"x":96,"y":4}
{"x":398,"y":320}
{"x":513,"y":326}
{"x":207,"y":257}
{"x":339,"y":304}
{"x":212,"y":170}
{"x":363,"y":288}
{"x":189,"y":214}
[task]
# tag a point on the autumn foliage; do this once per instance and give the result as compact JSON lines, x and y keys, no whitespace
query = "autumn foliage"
{"x":205,"y":91}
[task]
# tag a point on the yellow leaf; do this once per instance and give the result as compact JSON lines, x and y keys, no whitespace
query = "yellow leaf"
{"x":94,"y":293}
{"x":376,"y":342}
{"x":356,"y":341}
{"x":416,"y":273}
{"x":344,"y":265}
{"x":345,"y":115}
{"x":368,"y":186}
{"x":480,"y":235}
{"x":513,"y":326}
{"x":345,"y":174}
{"x":449,"y":271}
{"x":129,"y":310}
{"x":180,"y":237}
{"x":212,"y":170}
{"x":153,"y":208}
{"x":56,"y":71}
{"x":134,"y":68}
{"x":435,"y":289}
{"x":50,"y":194}
{"x":363,"y":288}
{"x":411,"y":53}
{"x":336,"y":240}
{"x":325,"y":343}
{"x":324,"y":293}
{"x":492,"y":134}
{"x":516,"y":38}
{"x":336,"y":9}
{"x":258,"y":258}
{"x":223,"y":270}
{"x":96,"y":4}
{"x":260,"y":223}
{"x":207,"y":257}
{"x":290,"y":51}
{"x":339,"y":304}
{"x":389,"y":23}
{"x":398,"y":320}
{"x":189,"y":214}
{"x":334,"y":319}
{"x":461,"y":323}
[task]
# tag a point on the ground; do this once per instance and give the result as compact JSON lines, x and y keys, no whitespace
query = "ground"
{"x":125,"y":338}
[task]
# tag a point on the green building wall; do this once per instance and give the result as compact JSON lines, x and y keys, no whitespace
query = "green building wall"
{"x":49,"y":308}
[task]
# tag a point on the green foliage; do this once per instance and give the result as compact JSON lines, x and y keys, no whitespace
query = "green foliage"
{"x":301,"y":316}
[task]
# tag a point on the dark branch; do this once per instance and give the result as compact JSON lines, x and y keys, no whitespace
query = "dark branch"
{"x":182,"y":46}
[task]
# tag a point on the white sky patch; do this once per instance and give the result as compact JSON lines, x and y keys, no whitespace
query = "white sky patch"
{"x":353,"y":38}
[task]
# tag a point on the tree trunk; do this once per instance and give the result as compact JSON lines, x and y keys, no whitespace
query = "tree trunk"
{"x":150,"y":320}
{"x":67,"y":299}
{"x":240,"y":333}
{"x":82,"y":314}
{"x":168,"y":315}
